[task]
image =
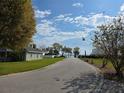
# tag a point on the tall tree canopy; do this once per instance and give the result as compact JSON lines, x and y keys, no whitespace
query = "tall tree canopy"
{"x":17,"y":23}
{"x":67,"y":50}
{"x":76,"y":51}
{"x":57,"y":46}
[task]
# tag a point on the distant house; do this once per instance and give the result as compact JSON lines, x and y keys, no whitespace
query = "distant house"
{"x":97,"y":51}
{"x":32,"y":53}
{"x":6,"y":55}
{"x":27,"y":54}
{"x":49,"y":53}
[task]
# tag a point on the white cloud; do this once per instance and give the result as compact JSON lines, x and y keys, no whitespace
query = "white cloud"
{"x":98,"y":19}
{"x":60,"y":36}
{"x":50,"y":34}
{"x":92,"y":20}
{"x":45,"y":28}
{"x":60,"y":17}
{"x":80,"y":20}
{"x":77,"y":5}
{"x":64,"y":17}
{"x":122,"y":7}
{"x":42,"y":14}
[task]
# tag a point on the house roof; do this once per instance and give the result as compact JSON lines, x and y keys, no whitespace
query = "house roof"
{"x":33,"y":50}
{"x":5,"y":50}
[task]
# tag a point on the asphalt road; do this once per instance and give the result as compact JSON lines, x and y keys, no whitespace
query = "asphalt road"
{"x":69,"y":76}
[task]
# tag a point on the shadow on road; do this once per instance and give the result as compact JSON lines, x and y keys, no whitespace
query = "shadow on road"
{"x":92,"y":84}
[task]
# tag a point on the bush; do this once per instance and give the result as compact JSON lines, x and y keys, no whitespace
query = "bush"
{"x":91,"y":56}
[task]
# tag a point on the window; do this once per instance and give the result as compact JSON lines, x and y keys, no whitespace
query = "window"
{"x":31,"y":55}
{"x":37,"y":55}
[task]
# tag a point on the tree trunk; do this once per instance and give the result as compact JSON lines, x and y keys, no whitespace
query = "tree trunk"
{"x":119,"y":73}
{"x":104,"y":63}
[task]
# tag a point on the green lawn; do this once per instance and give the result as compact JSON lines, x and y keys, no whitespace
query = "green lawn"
{"x":14,"y":67}
{"x":98,"y":62}
{"x":108,"y":71}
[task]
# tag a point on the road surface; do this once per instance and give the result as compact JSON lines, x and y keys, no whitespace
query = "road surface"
{"x":69,"y":76}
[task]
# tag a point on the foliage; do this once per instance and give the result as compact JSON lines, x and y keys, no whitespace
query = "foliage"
{"x":76,"y":51}
{"x":91,"y":56}
{"x":110,"y":38}
{"x":17,"y":23}
{"x":67,"y":50}
{"x":57,"y":46}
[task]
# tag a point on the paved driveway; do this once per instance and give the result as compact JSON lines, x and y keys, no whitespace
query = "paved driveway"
{"x":69,"y":76}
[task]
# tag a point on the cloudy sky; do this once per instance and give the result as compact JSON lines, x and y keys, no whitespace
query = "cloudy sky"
{"x":67,"y":21}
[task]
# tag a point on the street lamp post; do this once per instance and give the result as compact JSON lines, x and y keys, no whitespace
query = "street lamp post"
{"x":83,"y":39}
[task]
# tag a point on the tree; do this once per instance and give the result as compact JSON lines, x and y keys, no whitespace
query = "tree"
{"x":57,"y":48}
{"x":110,"y":38}
{"x":67,"y":50}
{"x":63,"y":50}
{"x":56,"y":52}
{"x":50,"y":50}
{"x":17,"y":23}
{"x":76,"y":51}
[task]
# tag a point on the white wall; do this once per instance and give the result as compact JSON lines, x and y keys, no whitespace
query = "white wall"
{"x":49,"y":56}
{"x":33,"y":56}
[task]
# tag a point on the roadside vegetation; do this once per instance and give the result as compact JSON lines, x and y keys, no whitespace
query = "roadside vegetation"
{"x":108,"y":70}
{"x":109,"y":38}
{"x":15,"y":67}
{"x":98,"y":62}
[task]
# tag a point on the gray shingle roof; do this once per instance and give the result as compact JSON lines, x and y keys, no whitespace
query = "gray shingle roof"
{"x":33,"y":50}
{"x":5,"y":50}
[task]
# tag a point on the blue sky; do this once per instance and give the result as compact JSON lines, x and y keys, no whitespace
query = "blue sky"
{"x":67,"y":21}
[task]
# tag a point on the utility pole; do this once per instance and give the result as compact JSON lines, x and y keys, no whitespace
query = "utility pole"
{"x":85,"y":53}
{"x":83,"y":39}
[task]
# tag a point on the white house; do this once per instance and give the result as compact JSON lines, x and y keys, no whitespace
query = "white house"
{"x":27,"y":54}
{"x":32,"y":53}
